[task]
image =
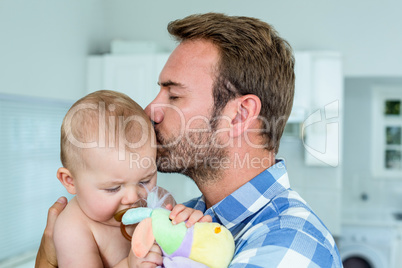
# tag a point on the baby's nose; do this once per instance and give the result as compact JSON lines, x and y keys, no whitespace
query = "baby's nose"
{"x":130,"y":196}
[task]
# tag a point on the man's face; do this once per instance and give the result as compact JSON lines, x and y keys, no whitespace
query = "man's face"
{"x":182,"y":110}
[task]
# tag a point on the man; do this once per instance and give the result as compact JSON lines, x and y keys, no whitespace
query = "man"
{"x":226,"y":93}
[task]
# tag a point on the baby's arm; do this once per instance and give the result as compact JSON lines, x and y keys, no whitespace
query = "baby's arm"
{"x":75,"y":245}
{"x":182,"y":213}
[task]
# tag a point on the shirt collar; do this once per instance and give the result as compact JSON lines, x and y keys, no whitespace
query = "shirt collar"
{"x":250,"y":197}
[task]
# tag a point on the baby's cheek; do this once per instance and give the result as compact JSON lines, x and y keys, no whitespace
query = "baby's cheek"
{"x":103,"y":211}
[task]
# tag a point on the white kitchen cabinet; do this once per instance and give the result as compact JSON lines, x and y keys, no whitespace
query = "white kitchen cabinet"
{"x":319,"y":92}
{"x":135,"y":75}
{"x":319,"y":78}
{"x":314,"y":161}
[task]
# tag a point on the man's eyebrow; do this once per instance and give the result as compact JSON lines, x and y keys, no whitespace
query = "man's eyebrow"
{"x":170,"y":83}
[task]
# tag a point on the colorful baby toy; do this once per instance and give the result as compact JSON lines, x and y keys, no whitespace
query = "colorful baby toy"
{"x":202,"y":245}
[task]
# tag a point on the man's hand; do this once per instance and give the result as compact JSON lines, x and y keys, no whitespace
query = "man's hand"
{"x":182,"y":213}
{"x":46,"y":257}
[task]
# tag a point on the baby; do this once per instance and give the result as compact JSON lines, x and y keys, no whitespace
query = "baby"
{"x":108,"y":154}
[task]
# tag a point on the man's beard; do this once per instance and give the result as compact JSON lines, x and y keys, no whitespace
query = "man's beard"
{"x":196,"y":155}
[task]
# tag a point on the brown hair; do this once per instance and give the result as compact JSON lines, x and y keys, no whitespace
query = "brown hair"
{"x":103,"y":118}
{"x":254,"y":59}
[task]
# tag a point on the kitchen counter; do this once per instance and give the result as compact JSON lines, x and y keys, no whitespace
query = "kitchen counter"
{"x":374,"y":217}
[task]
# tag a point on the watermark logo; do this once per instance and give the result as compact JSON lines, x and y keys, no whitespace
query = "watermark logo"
{"x":320,"y":132}
{"x":320,"y":135}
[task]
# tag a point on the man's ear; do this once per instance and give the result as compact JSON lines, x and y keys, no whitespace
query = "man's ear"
{"x":248,"y":108}
{"x":65,"y":177}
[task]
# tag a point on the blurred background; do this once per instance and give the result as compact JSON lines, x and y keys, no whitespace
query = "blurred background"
{"x":342,"y":145}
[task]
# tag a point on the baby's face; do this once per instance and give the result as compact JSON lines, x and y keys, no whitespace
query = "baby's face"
{"x":109,"y":185}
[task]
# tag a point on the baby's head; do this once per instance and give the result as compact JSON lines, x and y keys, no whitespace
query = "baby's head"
{"x":107,"y":120}
{"x":108,"y":154}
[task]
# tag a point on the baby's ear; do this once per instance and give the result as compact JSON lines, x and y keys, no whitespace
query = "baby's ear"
{"x":65,"y":177}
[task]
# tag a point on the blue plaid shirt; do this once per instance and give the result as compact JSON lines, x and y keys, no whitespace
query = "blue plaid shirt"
{"x":272,"y":225}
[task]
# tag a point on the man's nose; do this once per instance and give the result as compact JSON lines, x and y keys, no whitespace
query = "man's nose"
{"x":155,"y":112}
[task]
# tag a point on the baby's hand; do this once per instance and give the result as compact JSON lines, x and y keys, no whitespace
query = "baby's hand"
{"x":182,"y":213}
{"x":152,"y":260}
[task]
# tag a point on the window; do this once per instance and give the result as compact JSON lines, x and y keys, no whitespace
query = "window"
{"x":29,"y":158}
{"x":387,"y":132}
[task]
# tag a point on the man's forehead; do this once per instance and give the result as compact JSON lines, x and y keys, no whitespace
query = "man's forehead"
{"x":188,"y":62}
{"x":193,"y":52}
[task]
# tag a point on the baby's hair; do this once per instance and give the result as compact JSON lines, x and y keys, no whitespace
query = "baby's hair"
{"x":103,"y":119}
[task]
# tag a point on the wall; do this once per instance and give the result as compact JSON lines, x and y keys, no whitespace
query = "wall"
{"x":44,"y":45}
{"x":365,"y":32}
{"x":45,"y":42}
{"x":43,"y":50}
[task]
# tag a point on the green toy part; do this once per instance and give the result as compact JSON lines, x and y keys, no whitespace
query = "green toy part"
{"x":168,"y":236}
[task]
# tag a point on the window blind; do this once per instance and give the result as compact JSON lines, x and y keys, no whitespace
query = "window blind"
{"x":29,"y":159}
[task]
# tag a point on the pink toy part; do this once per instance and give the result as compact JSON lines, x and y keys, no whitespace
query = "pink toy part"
{"x":143,"y":238}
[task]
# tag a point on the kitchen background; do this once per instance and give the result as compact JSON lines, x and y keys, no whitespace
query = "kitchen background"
{"x":347,"y":105}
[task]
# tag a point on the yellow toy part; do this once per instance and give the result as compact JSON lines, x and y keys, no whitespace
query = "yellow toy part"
{"x":212,"y":245}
